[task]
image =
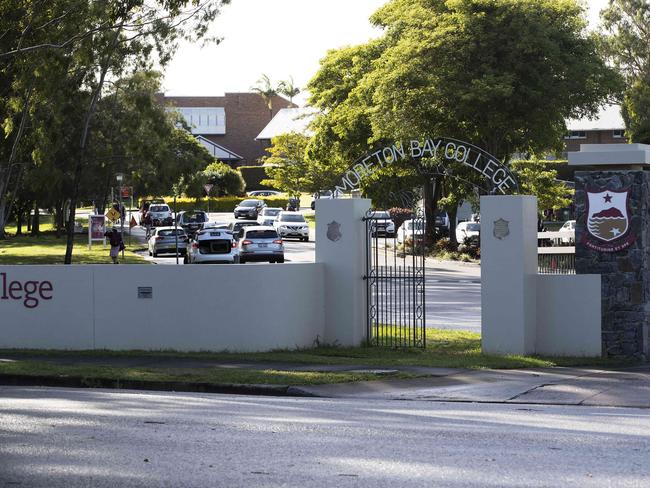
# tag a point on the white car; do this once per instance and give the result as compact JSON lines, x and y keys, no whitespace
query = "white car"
{"x":260,"y":243}
{"x":210,"y":246}
{"x":160,"y":214}
{"x":466,"y":232}
{"x":381,"y":223}
{"x":292,"y":224}
{"x":268,"y":215}
{"x":568,"y":231}
{"x":411,"y":230}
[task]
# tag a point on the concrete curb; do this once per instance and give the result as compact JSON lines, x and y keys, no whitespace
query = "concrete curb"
{"x":181,"y":386}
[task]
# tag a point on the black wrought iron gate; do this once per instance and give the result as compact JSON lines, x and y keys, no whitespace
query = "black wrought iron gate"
{"x":395,"y":281}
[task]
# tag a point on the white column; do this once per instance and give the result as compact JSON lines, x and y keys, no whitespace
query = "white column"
{"x":341,"y":246}
{"x":508,"y":274}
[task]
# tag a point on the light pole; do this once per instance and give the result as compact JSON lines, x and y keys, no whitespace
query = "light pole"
{"x":119,"y":177}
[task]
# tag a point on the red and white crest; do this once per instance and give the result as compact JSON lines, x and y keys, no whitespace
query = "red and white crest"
{"x":607,"y":215}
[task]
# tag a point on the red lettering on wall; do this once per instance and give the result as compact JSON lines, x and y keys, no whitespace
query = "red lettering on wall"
{"x":29,"y":292}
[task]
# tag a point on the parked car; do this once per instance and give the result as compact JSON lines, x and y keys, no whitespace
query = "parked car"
{"x":212,"y":246}
{"x":264,"y":193}
{"x":568,"y":231}
{"x":411,"y":230}
{"x":324,"y":194}
{"x":163,"y":240}
{"x":192,"y":220}
{"x":268,"y":215}
{"x":468,"y":234}
{"x":442,"y":223}
{"x":382,"y":224}
{"x":260,"y":243}
{"x":160,"y":214}
{"x":249,"y":208}
{"x":292,"y":224}
{"x":236,"y":228}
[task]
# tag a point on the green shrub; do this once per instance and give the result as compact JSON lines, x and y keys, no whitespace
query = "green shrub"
{"x":218,"y":204}
{"x":253,"y":176}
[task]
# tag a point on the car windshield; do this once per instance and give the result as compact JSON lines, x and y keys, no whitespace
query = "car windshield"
{"x":292,"y":218}
{"x":325,"y":193}
{"x":272,"y":212}
{"x":381,"y":215}
{"x":171,"y":232}
{"x":249,"y":203}
{"x":474,"y":227}
{"x":159,"y":208}
{"x":262,"y":234}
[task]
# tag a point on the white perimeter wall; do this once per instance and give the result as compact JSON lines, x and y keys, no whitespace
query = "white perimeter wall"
{"x":568,"y":315}
{"x":252,"y":307}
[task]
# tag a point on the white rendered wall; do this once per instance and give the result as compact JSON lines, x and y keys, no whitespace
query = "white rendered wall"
{"x":345,"y":266}
{"x":508,"y":275}
{"x":252,"y":307}
{"x":568,"y":315}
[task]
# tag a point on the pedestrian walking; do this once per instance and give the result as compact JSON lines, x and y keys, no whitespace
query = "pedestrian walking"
{"x":117,"y":244}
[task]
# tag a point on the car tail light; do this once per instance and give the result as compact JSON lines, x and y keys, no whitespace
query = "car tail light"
{"x":246,"y":242}
{"x":234,"y":244}
{"x":159,"y":238}
{"x":277,"y":241}
{"x":195,"y":245}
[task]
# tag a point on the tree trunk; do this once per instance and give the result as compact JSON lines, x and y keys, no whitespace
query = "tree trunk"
{"x":81,"y":159}
{"x":453,"y":213}
{"x":19,"y":223}
{"x":58,"y":218}
{"x":36,"y":222}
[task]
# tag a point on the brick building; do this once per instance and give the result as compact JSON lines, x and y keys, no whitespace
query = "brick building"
{"x":607,"y":128}
{"x":227,"y":126}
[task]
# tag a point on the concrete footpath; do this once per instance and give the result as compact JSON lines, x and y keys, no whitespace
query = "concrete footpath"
{"x":628,"y":387}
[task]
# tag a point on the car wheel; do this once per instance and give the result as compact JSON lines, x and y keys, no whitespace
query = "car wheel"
{"x":242,"y":261}
{"x":155,"y":254}
{"x":306,"y":239}
{"x":281,"y":260}
{"x":150,"y":252}
{"x":186,"y":260}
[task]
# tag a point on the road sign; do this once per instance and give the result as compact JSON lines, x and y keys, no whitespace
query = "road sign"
{"x":125,"y":191}
{"x":132,"y":223}
{"x":208,"y":187}
{"x":113,"y":215}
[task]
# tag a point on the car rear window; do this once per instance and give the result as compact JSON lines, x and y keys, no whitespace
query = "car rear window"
{"x":262,"y":234}
{"x":473,"y":227}
{"x":159,"y":208}
{"x":198,"y":217}
{"x":215,"y":246}
{"x":272,"y":212}
{"x":172,"y":232}
{"x":381,"y":215}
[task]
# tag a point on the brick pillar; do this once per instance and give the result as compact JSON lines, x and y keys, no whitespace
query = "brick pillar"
{"x":623,"y":263}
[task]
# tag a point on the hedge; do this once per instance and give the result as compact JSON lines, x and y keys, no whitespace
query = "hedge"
{"x":219,"y":204}
{"x":253,"y":176}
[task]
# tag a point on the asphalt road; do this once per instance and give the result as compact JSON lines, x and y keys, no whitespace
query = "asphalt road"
{"x":96,"y":438}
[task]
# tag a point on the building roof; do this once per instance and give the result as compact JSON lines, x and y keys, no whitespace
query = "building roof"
{"x":218,"y":152}
{"x":288,"y":120}
{"x":608,"y":118}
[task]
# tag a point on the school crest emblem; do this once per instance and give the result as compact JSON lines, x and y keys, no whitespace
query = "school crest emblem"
{"x":608,"y":220}
{"x":334,"y":231}
{"x":501,"y":229}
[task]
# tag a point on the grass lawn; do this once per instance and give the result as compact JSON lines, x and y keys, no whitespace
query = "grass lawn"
{"x":211,"y":376}
{"x":311,"y":220}
{"x":445,"y":348}
{"x":48,"y":249}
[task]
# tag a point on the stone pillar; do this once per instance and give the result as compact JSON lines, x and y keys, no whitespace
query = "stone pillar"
{"x":623,"y":262}
{"x":341,"y":246}
{"x":508,"y":274}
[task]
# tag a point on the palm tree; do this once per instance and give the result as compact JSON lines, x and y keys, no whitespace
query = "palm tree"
{"x":288,"y":89}
{"x":264,"y":89}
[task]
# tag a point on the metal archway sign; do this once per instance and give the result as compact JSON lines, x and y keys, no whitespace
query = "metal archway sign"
{"x":497,"y":175}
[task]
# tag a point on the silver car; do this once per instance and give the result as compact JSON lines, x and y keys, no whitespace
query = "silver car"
{"x":261,"y":243}
{"x":164,"y":239}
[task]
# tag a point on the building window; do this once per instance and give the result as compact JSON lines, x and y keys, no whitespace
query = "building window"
{"x":576,"y":134}
{"x":618,"y":134}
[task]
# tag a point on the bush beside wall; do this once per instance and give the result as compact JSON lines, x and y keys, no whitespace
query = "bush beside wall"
{"x":219,"y":204}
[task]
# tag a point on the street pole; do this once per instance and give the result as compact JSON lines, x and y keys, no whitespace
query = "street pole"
{"x":176,"y":227}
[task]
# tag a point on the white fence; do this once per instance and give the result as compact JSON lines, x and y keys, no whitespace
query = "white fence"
{"x":189,"y":308}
